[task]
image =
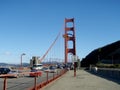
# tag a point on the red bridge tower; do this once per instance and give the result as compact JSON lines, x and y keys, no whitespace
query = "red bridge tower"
{"x":69,"y":36}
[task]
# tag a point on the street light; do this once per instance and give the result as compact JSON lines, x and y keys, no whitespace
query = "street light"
{"x":21,"y":58}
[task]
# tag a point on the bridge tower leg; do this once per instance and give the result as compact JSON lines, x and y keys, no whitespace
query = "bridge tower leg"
{"x":69,"y":36}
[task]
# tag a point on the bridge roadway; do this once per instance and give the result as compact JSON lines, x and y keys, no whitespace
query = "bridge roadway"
{"x":23,"y":83}
{"x":83,"y":81}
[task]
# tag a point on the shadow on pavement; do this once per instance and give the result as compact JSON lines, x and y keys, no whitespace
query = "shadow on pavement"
{"x":104,"y":76}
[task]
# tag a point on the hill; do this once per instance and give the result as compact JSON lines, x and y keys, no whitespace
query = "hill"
{"x":107,"y":54}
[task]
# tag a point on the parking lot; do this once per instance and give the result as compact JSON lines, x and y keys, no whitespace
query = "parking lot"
{"x":23,"y":83}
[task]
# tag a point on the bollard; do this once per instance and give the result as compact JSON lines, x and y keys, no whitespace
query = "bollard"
{"x":53,"y":76}
{"x":57,"y":72}
{"x":35,"y":83}
{"x":47,"y":76}
{"x":5,"y":83}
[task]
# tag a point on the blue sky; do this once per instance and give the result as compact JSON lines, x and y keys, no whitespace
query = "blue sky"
{"x":30,"y":26}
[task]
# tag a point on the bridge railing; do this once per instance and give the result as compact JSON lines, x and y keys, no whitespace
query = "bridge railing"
{"x":36,"y":85}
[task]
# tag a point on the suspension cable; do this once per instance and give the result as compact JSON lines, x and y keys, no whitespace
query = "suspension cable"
{"x":50,"y":47}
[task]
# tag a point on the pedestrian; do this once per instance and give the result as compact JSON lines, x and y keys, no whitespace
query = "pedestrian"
{"x":96,"y":69}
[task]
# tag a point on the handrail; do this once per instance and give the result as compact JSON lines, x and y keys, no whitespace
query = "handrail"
{"x":35,"y":86}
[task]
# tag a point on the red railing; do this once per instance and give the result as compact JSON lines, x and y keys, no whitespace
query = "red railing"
{"x":36,"y":74}
{"x":48,"y":80}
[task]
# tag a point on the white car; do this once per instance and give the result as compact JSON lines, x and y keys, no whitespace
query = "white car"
{"x":15,"y":73}
{"x":52,"y":69}
{"x":37,"y":66}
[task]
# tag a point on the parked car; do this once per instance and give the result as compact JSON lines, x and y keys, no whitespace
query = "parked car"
{"x":35,"y":73}
{"x":44,"y":69}
{"x":4,"y":70}
{"x":52,"y":69}
{"x":15,"y":73}
{"x":59,"y":66}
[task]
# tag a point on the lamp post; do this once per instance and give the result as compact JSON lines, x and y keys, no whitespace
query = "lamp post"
{"x":21,"y":58}
{"x":75,"y":64}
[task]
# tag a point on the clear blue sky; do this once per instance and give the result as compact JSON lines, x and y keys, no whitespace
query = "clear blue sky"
{"x":30,"y":26}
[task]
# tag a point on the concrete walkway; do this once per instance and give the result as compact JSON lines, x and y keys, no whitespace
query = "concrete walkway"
{"x":82,"y":81}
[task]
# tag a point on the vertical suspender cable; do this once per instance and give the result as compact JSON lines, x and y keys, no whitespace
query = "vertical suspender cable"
{"x":50,"y":47}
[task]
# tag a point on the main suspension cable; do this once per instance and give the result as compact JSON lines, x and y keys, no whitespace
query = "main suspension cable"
{"x":50,"y":46}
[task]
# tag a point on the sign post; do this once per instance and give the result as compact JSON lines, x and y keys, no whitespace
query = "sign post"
{"x":75,"y":64}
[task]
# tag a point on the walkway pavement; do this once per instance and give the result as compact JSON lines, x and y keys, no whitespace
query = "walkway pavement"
{"x":82,"y":81}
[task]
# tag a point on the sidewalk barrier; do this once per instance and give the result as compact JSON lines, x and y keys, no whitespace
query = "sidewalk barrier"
{"x":36,"y":74}
{"x":44,"y":83}
{"x":5,"y":76}
{"x":5,"y":83}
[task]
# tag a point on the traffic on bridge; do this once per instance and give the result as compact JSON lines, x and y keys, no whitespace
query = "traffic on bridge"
{"x":59,"y":45}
